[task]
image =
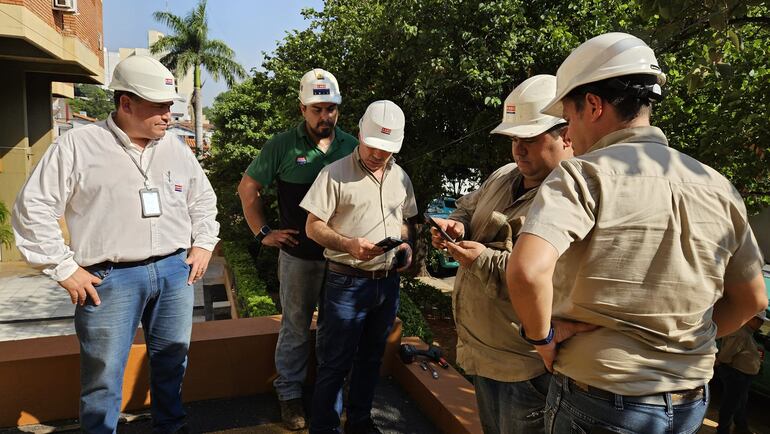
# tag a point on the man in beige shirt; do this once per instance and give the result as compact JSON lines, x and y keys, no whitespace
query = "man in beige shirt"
{"x":509,"y":376}
{"x":652,"y":246}
{"x":738,"y":362}
{"x":355,"y":203}
{"x":135,"y":200}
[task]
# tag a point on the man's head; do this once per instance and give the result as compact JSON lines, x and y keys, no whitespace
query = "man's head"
{"x":319,"y":96}
{"x":537,"y":143}
{"x":144,"y":92}
{"x":606,"y":84}
{"x":381,"y":133}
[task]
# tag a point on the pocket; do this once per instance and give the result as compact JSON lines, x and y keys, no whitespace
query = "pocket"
{"x":338,"y":280}
{"x":175,"y":188}
{"x":100,"y":271}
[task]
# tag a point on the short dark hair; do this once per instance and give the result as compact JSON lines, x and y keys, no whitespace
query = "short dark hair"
{"x":118,"y":93}
{"x":629,"y":94}
{"x":555,"y":131}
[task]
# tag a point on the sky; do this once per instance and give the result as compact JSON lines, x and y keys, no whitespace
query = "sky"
{"x":249,"y":27}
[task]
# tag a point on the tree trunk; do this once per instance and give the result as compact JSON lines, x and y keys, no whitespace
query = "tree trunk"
{"x":198,"y":107}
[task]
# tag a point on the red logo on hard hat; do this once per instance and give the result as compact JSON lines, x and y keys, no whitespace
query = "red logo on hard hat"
{"x":170,"y":81}
{"x":510,"y":109}
{"x":320,"y":86}
{"x":385,"y":130}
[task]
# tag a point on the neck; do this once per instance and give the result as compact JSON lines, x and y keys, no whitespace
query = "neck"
{"x":531,"y":183}
{"x":123,"y":125}
{"x":322,"y":143}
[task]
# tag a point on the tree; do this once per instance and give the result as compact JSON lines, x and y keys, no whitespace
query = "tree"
{"x":6,"y":235}
{"x":189,"y":47}
{"x":93,"y":100}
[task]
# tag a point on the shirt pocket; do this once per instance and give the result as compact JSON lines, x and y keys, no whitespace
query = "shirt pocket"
{"x":175,"y":188}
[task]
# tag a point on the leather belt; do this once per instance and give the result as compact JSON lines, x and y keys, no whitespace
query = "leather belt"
{"x":357,"y":272}
{"x":129,"y":264}
{"x":677,"y":397}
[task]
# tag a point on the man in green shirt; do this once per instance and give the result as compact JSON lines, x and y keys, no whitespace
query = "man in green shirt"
{"x":294,"y":158}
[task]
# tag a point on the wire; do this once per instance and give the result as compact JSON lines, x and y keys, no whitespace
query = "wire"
{"x":453,"y":142}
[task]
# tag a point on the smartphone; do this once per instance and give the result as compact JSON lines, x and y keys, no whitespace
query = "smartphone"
{"x":429,"y":220}
{"x":389,"y":243}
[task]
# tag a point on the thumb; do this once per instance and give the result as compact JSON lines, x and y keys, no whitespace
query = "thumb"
{"x":579,"y":327}
{"x":95,"y":280}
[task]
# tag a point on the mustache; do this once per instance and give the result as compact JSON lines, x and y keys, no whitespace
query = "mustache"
{"x":328,"y":124}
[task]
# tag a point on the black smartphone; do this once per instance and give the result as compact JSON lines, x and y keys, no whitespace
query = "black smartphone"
{"x":389,"y":243}
{"x":429,"y":220}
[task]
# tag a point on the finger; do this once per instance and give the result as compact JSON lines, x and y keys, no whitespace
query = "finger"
{"x":73,"y":296}
{"x":290,"y":231}
{"x":91,"y":291}
{"x":95,"y":280}
{"x":81,"y":296}
{"x":193,"y":271}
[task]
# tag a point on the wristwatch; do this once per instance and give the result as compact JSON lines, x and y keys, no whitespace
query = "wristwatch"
{"x":548,"y":339}
{"x":263,"y":231}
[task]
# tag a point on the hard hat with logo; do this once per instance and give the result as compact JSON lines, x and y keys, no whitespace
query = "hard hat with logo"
{"x":146,"y":78}
{"x":602,"y":57}
{"x":319,"y":86}
{"x":382,"y":126}
{"x":521,"y":111}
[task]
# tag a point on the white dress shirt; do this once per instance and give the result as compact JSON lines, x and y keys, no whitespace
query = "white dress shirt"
{"x":87,"y":176}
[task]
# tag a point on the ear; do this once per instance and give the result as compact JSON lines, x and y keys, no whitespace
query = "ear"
{"x":594,"y":106}
{"x":302,"y":108}
{"x":125,"y":103}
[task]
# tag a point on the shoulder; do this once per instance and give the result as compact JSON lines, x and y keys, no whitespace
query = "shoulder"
{"x":346,"y":138}
{"x":282,"y":141}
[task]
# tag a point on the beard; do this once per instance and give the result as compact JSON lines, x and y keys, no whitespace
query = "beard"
{"x":323,"y":129}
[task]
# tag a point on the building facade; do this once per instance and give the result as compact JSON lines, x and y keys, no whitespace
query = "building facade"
{"x":43,"y":50}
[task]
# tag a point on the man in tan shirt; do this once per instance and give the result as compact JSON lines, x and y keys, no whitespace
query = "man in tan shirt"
{"x":355,"y":203}
{"x":652,"y":246}
{"x":738,"y":362}
{"x":509,"y":376}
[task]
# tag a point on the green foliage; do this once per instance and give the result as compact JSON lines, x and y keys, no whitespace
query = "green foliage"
{"x":427,"y":297}
{"x":6,"y":234}
{"x":93,"y":100}
{"x":412,"y":321}
{"x":251,"y":289}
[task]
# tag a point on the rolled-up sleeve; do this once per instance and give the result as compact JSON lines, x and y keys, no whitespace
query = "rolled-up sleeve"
{"x":202,"y":206}
{"x":38,"y":207}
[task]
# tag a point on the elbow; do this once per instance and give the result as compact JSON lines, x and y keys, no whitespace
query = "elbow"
{"x":310,"y":230}
{"x":518,"y":275}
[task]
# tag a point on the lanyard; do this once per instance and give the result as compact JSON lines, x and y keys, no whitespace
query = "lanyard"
{"x":144,"y":174}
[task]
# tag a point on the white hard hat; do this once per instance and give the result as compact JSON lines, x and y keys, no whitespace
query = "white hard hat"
{"x":382,"y":126}
{"x":146,"y":78}
{"x":521,"y":111}
{"x":604,"y":56}
{"x":319,"y":86}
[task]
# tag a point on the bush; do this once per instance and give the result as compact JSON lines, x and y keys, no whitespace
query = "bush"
{"x":427,"y":297}
{"x":413,"y":323}
{"x":251,"y":289}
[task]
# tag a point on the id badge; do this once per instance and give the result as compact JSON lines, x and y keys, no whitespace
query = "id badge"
{"x":150,"y":198}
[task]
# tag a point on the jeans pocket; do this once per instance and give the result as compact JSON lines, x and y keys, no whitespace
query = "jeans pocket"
{"x":101,"y":271}
{"x":338,"y":280}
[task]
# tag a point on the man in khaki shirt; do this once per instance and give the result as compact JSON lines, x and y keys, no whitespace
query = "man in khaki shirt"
{"x":509,"y":376}
{"x":652,"y":246}
{"x":354,"y":203}
{"x":738,"y":362}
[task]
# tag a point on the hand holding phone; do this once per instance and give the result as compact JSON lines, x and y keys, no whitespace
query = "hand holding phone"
{"x":429,"y":220}
{"x":389,"y":243}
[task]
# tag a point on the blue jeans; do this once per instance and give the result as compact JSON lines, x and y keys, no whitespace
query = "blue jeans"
{"x":301,"y":283}
{"x":512,"y":407}
{"x":735,"y":395}
{"x":570,"y":409}
{"x":355,"y":319}
{"x":157,"y":295}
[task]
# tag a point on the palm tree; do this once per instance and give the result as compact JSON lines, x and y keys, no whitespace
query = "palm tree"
{"x":189,"y":47}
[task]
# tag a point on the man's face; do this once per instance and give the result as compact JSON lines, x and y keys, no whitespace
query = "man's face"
{"x":578,"y":130}
{"x":321,"y":118}
{"x":537,"y":156}
{"x":148,"y":120}
{"x":374,"y":159}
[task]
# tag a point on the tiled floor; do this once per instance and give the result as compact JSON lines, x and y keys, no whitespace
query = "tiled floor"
{"x":33,"y":305}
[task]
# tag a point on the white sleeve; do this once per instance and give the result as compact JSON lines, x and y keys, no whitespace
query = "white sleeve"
{"x":40,"y":203}
{"x":202,"y":206}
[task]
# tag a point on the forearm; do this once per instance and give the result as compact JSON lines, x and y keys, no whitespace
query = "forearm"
{"x":250,"y":194}
{"x":739,"y":303}
{"x":318,"y":231}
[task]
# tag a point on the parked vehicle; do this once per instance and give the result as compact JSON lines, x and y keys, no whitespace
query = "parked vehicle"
{"x":439,"y":262}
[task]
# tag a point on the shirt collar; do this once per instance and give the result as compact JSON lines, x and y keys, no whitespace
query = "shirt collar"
{"x":123,"y":137}
{"x":631,"y":135}
{"x":357,"y":157}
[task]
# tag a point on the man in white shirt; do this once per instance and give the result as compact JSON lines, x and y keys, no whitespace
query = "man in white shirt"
{"x":135,"y":200}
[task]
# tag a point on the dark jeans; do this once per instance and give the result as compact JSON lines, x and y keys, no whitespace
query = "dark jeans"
{"x":354,"y":321}
{"x":512,"y":407}
{"x":735,"y":387}
{"x":571,"y":410}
